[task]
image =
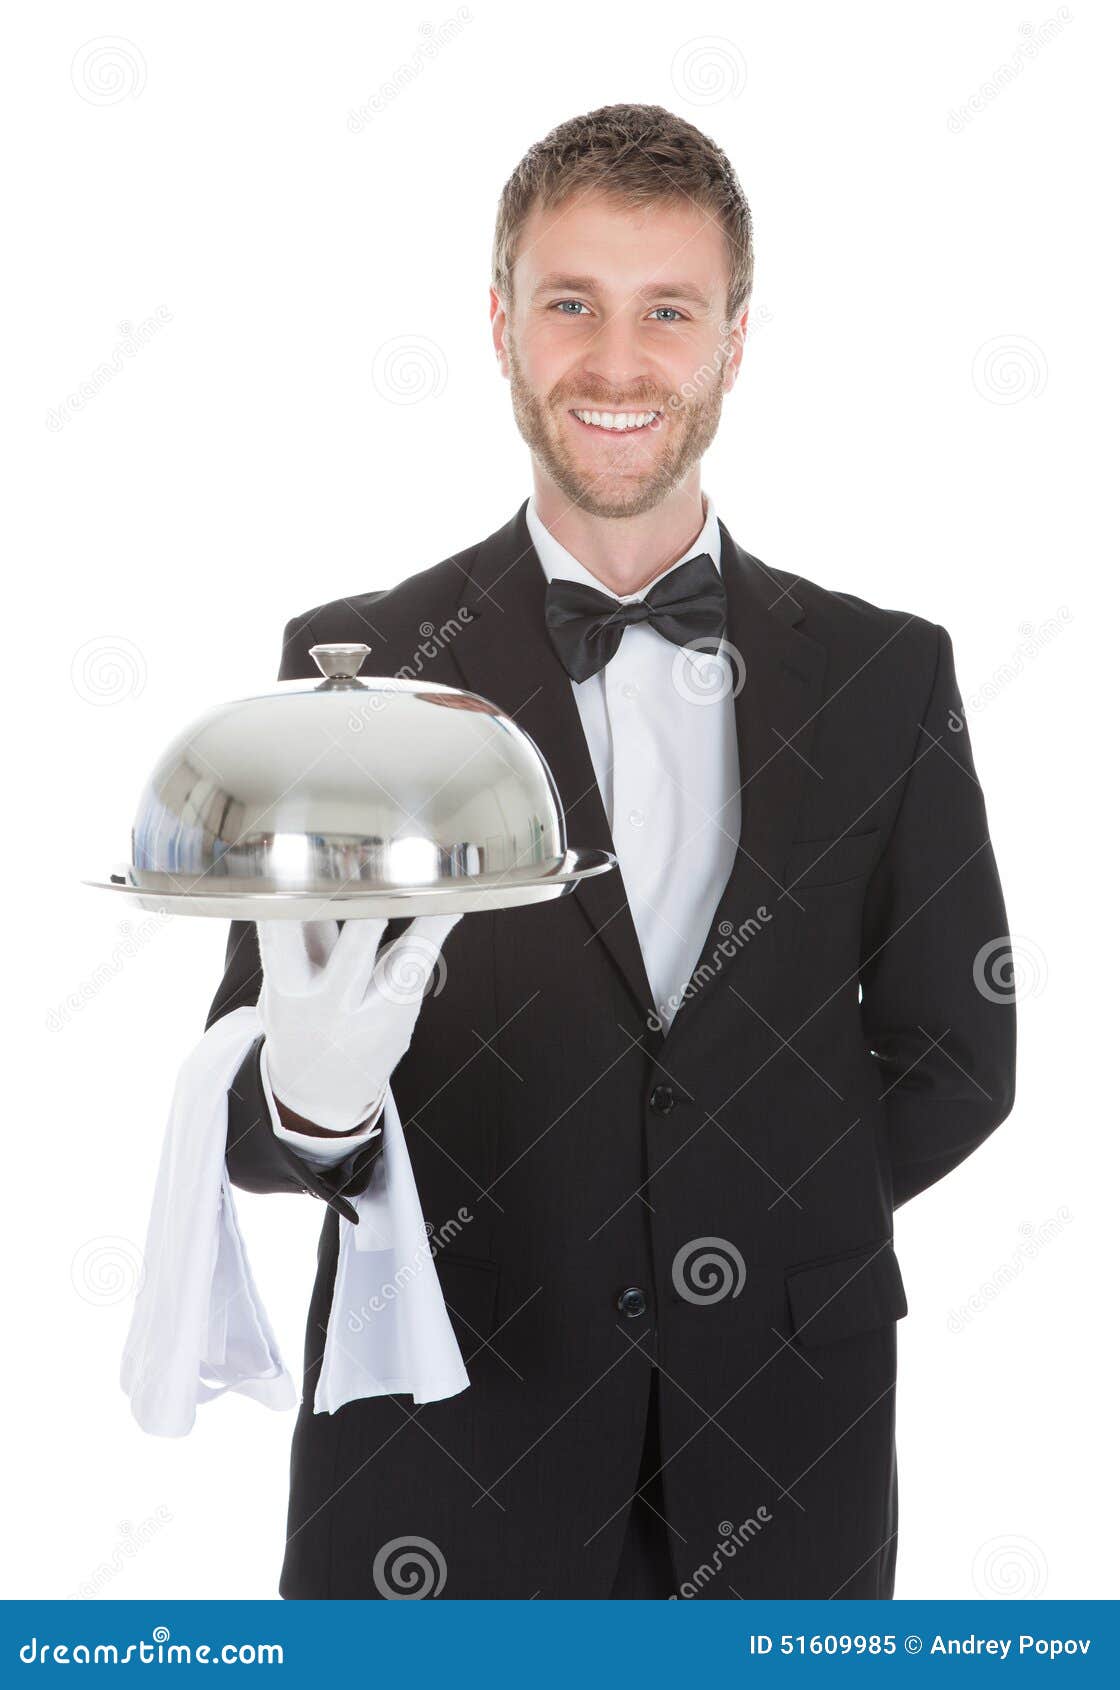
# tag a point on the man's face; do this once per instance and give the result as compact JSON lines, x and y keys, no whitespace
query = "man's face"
{"x":621,"y":313}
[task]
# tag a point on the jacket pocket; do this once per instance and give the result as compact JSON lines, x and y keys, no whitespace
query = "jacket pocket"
{"x":831,"y":862}
{"x":847,"y":1294}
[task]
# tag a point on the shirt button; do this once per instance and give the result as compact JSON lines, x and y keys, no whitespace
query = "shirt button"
{"x":632,"y":1302}
{"x":637,"y":818}
{"x":663,"y":1100}
{"x":629,"y":690}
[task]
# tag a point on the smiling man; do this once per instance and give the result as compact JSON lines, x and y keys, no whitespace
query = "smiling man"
{"x":675,"y":1112}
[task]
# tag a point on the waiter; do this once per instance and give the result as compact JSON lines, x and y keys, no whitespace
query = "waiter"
{"x":670,"y":1117}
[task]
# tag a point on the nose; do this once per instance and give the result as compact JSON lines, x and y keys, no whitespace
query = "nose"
{"x":613,"y":356}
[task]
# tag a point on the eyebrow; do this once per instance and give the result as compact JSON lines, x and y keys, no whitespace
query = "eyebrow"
{"x":560,"y":282}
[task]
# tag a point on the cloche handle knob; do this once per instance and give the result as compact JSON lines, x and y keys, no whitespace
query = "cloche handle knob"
{"x":339,"y":662}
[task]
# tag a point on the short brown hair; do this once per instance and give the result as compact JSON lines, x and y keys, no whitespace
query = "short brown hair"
{"x":637,"y":155}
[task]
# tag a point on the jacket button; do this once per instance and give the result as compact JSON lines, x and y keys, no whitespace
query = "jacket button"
{"x":632,"y":1302}
{"x":662,"y":1099}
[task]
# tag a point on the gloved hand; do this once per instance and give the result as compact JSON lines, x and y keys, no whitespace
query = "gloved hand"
{"x":335,"y":1022}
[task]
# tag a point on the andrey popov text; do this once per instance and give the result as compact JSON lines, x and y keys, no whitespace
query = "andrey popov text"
{"x":888,"y":1643}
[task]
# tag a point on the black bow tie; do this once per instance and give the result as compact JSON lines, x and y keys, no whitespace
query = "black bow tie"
{"x":586,"y":626}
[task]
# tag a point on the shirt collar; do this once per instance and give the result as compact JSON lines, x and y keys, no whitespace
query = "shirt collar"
{"x":558,"y":563}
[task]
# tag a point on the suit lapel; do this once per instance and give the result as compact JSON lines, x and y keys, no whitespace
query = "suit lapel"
{"x":780,"y":680}
{"x":504,"y":654}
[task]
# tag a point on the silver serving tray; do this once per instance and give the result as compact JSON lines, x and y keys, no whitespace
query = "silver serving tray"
{"x":466,"y":896}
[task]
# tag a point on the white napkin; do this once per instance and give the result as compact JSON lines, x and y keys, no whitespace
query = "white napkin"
{"x":199,"y":1327}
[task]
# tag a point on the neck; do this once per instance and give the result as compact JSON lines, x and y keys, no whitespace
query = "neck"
{"x":625,"y":553}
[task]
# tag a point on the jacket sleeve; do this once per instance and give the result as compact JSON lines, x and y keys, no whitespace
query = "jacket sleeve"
{"x":938,"y":1006}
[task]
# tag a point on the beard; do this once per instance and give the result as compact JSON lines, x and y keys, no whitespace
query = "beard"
{"x":684,"y":433}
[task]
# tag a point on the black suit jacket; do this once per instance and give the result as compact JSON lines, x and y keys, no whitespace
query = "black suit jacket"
{"x":839,"y":1050}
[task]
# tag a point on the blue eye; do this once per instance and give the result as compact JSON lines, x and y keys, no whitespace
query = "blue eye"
{"x":669,"y":308}
{"x":561,"y":305}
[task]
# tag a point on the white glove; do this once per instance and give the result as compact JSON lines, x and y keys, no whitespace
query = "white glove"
{"x":336,"y":1023}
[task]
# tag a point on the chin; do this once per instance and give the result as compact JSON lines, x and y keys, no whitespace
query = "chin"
{"x":622,"y":493}
{"x":627,"y":498}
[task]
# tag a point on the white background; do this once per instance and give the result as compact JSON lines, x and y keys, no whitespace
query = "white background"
{"x":925,"y":418}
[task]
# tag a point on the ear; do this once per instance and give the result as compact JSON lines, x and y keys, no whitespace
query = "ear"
{"x":732,"y":339}
{"x":498,"y":323}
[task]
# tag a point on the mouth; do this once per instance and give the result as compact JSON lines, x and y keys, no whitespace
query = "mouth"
{"x":618,"y":422}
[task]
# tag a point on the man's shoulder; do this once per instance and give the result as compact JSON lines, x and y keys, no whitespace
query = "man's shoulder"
{"x":854,"y":628}
{"x":417,"y":608}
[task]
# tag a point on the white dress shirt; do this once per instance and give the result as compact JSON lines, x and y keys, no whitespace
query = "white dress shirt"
{"x":659,"y":721}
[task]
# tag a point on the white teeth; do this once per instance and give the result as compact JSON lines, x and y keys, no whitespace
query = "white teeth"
{"x":619,"y":420}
